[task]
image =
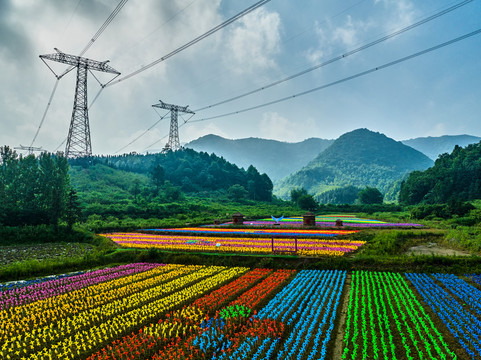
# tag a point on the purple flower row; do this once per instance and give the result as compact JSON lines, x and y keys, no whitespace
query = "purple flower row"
{"x":23,"y":283}
{"x":35,"y":292}
{"x":330,"y":224}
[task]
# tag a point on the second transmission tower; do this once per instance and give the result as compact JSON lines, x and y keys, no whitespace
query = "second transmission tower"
{"x":173,"y":144}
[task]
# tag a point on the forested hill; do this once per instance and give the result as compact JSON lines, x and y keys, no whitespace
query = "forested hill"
{"x":454,"y":177}
{"x":277,"y":159}
{"x":435,"y":146}
{"x":358,"y":158}
{"x":187,"y":169}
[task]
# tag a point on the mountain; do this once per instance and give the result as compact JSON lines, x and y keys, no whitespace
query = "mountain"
{"x":357,"y":158}
{"x":435,"y":146}
{"x":275,"y":158}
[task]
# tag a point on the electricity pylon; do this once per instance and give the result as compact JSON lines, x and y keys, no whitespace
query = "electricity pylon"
{"x":173,"y":144}
{"x":30,"y":149}
{"x":78,"y":141}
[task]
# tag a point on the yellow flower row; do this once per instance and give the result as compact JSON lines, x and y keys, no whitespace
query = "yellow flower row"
{"x":83,"y":342}
{"x":62,"y":327}
{"x":40,"y":313}
{"x":235,"y":249}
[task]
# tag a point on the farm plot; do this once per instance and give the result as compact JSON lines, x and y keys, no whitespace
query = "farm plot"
{"x":158,"y":311}
{"x":297,"y":322}
{"x":457,"y":303}
{"x":386,"y":321}
{"x":75,"y":325}
{"x":246,"y":245}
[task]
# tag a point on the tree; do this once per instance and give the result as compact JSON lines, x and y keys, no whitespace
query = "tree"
{"x":370,"y":195}
{"x":33,"y":190}
{"x":237,"y":192}
{"x":297,"y":193}
{"x":158,"y":177}
{"x":72,"y":213}
{"x":259,"y":186}
{"x":307,"y":202}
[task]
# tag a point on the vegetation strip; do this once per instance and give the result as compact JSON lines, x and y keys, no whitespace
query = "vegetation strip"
{"x":385,"y":320}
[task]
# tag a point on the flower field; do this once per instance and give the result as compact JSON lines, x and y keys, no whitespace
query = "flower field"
{"x":159,"y":311}
{"x":329,"y":221}
{"x":305,"y":246}
{"x":274,"y":232}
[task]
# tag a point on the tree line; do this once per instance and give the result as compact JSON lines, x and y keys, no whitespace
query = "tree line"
{"x":454,"y":177}
{"x":35,"y":190}
{"x":190,"y":172}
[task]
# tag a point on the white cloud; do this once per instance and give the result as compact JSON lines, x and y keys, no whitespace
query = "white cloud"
{"x":315,"y":54}
{"x":401,"y":13}
{"x":253,"y":42}
{"x":275,"y":126}
{"x":341,"y":37}
{"x":347,"y":34}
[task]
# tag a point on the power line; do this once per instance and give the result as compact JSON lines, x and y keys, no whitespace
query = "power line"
{"x":145,"y":132}
{"x":45,"y":112}
{"x":61,"y":144}
{"x":349,"y":53}
{"x":163,"y":137}
{"x":364,"y":47}
{"x":192,"y":42}
{"x":104,"y":26}
{"x":352,"y":77}
{"x":129,"y":48}
{"x":217,"y":75}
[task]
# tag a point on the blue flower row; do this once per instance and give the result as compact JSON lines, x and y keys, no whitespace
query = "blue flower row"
{"x":461,"y":322}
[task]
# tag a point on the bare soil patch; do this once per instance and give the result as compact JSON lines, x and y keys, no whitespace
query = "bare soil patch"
{"x":435,"y":249}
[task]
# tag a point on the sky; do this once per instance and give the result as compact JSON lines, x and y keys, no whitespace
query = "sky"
{"x":435,"y":94}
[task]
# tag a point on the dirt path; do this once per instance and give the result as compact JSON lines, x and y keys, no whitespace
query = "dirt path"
{"x":339,"y":346}
{"x":434,"y":249}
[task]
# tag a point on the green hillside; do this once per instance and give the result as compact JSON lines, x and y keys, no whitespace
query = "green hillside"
{"x":454,"y":177}
{"x":358,"y":158}
{"x":136,"y":184}
{"x":275,"y":158}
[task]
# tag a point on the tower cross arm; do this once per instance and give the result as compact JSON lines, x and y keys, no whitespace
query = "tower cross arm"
{"x":171,"y":107}
{"x":80,"y":61}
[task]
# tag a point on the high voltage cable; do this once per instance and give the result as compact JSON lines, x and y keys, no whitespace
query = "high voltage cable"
{"x":45,"y":112}
{"x":381,"y":67}
{"x":192,"y":42}
{"x":364,"y":47}
{"x":156,"y":142}
{"x":145,"y":132}
{"x":156,"y":29}
{"x":104,"y":26}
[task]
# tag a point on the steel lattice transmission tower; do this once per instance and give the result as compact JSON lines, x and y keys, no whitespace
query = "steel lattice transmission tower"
{"x":78,"y":141}
{"x":173,"y":144}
